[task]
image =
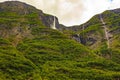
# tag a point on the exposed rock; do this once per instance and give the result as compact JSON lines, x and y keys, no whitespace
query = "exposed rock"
{"x":48,"y":20}
{"x":25,"y":9}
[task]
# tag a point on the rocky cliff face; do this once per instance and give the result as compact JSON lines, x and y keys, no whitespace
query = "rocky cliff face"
{"x":48,"y":20}
{"x":17,"y":20}
{"x":19,"y":8}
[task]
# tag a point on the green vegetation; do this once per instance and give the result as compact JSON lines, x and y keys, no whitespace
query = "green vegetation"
{"x":31,"y":51}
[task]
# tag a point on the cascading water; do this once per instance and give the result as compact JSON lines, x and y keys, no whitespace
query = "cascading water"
{"x":83,"y":27}
{"x":107,"y":34}
{"x":54,"y":23}
{"x":106,"y":31}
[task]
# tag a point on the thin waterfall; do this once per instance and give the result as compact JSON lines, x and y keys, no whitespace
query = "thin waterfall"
{"x":83,"y":27}
{"x":54,"y":23}
{"x":106,"y":31}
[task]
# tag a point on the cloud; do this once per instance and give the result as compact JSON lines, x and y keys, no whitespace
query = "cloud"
{"x":68,"y":11}
{"x":73,"y":12}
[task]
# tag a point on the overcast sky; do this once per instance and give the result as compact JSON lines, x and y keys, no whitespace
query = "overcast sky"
{"x":73,"y":12}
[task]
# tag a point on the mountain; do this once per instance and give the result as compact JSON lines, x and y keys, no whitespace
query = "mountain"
{"x":96,"y":24}
{"x":31,"y":50}
{"x":101,"y":34}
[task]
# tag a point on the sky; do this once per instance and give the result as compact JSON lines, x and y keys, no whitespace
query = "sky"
{"x":73,"y":12}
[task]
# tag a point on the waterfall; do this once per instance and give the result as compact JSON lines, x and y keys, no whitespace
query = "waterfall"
{"x":54,"y":23}
{"x":83,"y":27}
{"x":106,"y":31}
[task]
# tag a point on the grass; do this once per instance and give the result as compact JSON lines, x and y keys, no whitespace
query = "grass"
{"x":49,"y":54}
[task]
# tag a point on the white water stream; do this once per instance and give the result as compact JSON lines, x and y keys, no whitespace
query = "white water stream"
{"x":106,"y":31}
{"x":54,"y":24}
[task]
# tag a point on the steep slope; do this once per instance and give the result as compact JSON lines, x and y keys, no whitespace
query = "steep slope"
{"x":106,"y":23}
{"x":101,"y":33}
{"x":31,"y":50}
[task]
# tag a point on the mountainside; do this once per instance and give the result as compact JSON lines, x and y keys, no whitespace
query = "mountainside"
{"x":101,"y":33}
{"x":31,"y":50}
{"x":94,"y":28}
